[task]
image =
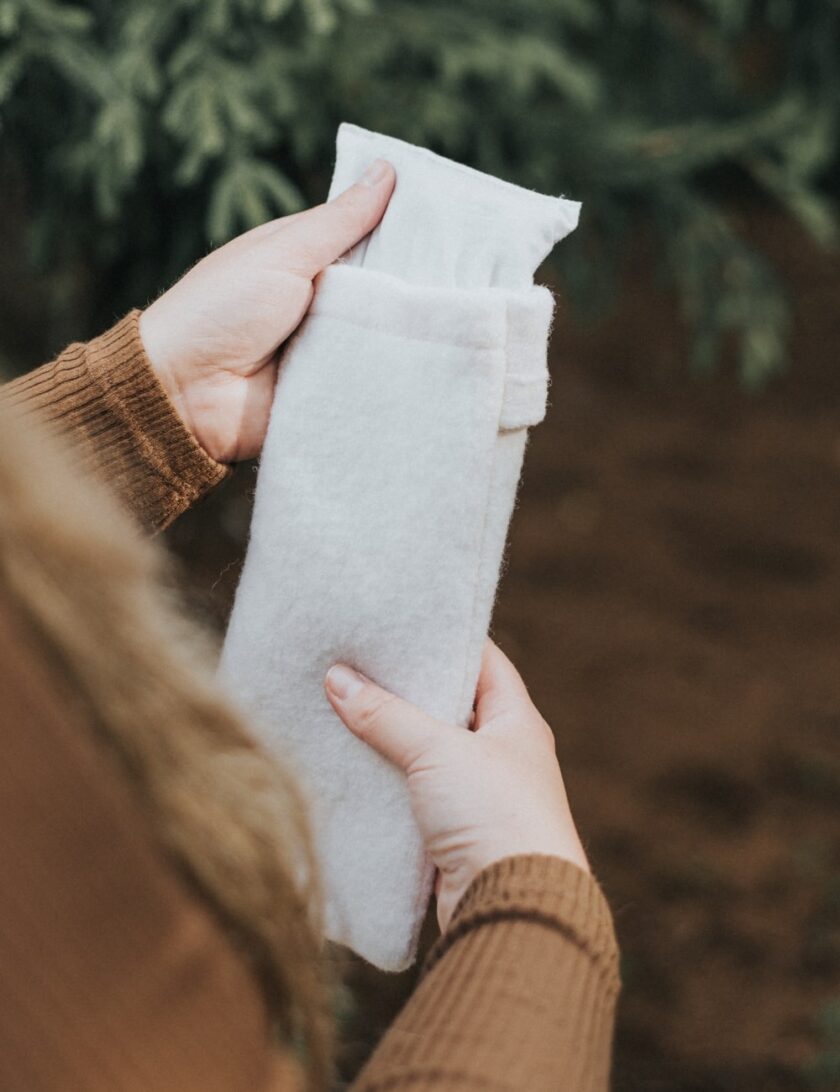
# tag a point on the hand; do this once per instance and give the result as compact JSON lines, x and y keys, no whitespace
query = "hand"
{"x":213,"y":338}
{"x":478,"y":796}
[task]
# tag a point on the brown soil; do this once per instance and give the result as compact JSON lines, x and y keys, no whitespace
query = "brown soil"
{"x":672,"y":597}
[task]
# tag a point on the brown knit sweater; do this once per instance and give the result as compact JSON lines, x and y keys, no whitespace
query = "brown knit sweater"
{"x":135,"y":987}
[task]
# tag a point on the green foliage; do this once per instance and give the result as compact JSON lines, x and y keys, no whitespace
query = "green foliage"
{"x":142,"y":132}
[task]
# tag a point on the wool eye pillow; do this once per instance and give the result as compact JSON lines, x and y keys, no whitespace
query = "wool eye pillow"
{"x":384,"y":494}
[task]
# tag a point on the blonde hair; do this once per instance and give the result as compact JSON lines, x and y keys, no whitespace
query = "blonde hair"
{"x":101,"y":602}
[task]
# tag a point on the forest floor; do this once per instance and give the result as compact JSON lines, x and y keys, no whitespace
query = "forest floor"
{"x":672,"y":597}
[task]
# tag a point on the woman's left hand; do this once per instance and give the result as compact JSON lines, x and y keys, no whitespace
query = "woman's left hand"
{"x":213,"y":338}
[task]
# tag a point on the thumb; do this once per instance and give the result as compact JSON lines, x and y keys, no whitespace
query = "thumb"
{"x":314,"y":239}
{"x":500,"y":687}
{"x":395,"y":728}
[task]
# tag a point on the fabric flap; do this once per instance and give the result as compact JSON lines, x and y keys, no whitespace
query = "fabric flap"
{"x":529,"y":317}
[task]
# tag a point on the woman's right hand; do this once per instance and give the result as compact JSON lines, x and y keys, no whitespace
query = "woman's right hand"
{"x":478,"y":796}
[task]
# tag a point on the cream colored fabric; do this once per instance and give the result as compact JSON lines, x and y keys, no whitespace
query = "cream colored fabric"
{"x":385,"y":490}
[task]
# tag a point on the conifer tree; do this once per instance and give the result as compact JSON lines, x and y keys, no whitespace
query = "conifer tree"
{"x":143,"y":132}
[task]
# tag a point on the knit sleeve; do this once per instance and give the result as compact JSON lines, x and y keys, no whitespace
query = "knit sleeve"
{"x":518,"y":994}
{"x":106,"y":396}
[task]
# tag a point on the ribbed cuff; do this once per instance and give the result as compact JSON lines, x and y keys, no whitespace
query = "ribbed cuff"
{"x":542,"y":889}
{"x":133,"y":394}
{"x":519,"y":994}
{"x":106,"y":397}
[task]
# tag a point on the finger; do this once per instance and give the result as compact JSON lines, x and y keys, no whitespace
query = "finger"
{"x":395,"y":728}
{"x":315,"y":238}
{"x":500,"y":687}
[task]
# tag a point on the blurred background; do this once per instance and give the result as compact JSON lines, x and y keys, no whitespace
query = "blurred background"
{"x":672,"y":588}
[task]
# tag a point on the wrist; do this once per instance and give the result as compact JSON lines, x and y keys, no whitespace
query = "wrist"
{"x":545,"y":885}
{"x":456,"y":880}
{"x":167,"y":374}
{"x":548,"y":832}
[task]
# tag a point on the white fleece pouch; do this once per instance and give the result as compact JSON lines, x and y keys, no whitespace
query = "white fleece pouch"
{"x":385,"y":489}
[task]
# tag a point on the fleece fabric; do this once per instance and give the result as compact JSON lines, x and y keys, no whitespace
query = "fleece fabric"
{"x":385,"y":490}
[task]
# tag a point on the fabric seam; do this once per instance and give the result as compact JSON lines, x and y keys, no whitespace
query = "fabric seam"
{"x":315,"y":312}
{"x":482,"y":540}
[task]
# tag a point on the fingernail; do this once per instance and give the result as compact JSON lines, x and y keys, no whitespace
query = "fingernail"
{"x":343,"y":682}
{"x":375,"y":173}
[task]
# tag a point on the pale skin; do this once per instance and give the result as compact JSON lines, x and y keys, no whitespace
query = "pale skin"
{"x":478,"y":796}
{"x":214,"y":339}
